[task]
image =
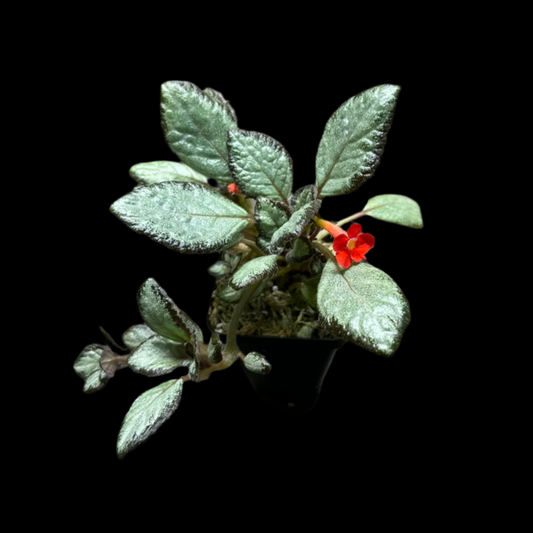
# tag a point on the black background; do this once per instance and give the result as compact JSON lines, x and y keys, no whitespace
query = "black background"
{"x":372,"y":410}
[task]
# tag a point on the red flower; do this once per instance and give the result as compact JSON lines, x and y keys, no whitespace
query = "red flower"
{"x":351,"y":245}
{"x":232,"y":188}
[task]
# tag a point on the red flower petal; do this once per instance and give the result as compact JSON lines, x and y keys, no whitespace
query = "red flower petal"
{"x":344,"y":259}
{"x":339,"y":243}
{"x":354,"y":231}
{"x":365,"y":242}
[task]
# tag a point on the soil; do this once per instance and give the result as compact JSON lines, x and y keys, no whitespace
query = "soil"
{"x":279,"y":311}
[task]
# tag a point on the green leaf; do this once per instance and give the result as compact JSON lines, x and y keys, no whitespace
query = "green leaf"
{"x":218,"y":97}
{"x":255,"y":362}
{"x":395,"y":208}
{"x":158,"y":356}
{"x":309,"y":291}
{"x":300,"y":251}
{"x":147,"y":414}
{"x":354,"y":140}
{"x":257,"y":269}
{"x":160,"y":171}
{"x":219,"y":269}
{"x":363,"y":305}
{"x":294,"y":226}
{"x":303,"y":196}
{"x":230,"y":295}
{"x":214,"y":349}
{"x":87,"y":366}
{"x":186,"y":217}
{"x":160,"y":313}
{"x":196,"y":128}
{"x":260,"y":166}
{"x":136,"y":335}
{"x":110,"y":362}
{"x":269,"y":217}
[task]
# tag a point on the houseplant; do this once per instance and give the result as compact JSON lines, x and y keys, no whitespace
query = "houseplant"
{"x":283,"y":269}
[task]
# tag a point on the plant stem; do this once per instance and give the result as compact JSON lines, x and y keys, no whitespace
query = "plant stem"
{"x":323,"y":233}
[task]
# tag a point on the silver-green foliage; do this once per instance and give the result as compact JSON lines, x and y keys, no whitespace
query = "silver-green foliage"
{"x":257,"y":363}
{"x":187,"y":217}
{"x":158,"y":356}
{"x":363,"y":305}
{"x":136,"y":335}
{"x":160,"y":171}
{"x":395,"y":208}
{"x":258,"y":269}
{"x":147,"y":414}
{"x":196,"y":125}
{"x":354,"y":140}
{"x":87,"y":366}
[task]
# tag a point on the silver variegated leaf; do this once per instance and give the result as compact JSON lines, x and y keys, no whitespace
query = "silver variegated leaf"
{"x":395,"y":208}
{"x":260,"y":165}
{"x":257,"y":363}
{"x":160,"y":313}
{"x":230,"y":295}
{"x":196,"y":128}
{"x":354,"y":140}
{"x":270,"y":216}
{"x":158,"y":356}
{"x":303,"y":196}
{"x":136,"y":335}
{"x":294,"y":226}
{"x":87,"y":366}
{"x":219,"y":97}
{"x":363,"y":305}
{"x":160,"y":171}
{"x":186,"y":217}
{"x":219,"y":269}
{"x":147,"y":414}
{"x":258,"y":269}
{"x":300,"y":251}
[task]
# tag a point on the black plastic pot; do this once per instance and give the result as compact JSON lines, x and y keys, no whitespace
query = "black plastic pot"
{"x":299,"y":367}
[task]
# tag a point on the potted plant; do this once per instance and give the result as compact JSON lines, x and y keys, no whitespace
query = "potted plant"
{"x":284,"y":272}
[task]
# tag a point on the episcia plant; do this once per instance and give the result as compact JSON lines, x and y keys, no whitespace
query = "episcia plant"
{"x":232,"y":194}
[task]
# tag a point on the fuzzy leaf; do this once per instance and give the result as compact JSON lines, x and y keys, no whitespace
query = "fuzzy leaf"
{"x":160,"y":313}
{"x":186,"y":217}
{"x":219,"y":269}
{"x":300,"y":251}
{"x":196,"y":128}
{"x":354,"y":140}
{"x":157,"y":356}
{"x":110,"y":362}
{"x":87,"y":366}
{"x":269,"y":217}
{"x":255,"y":362}
{"x":363,"y":305}
{"x":304,"y":195}
{"x":260,"y":165}
{"x":219,"y":97}
{"x":395,"y":208}
{"x":136,"y":335}
{"x":147,"y":414}
{"x":257,"y":269}
{"x":230,"y":295}
{"x":294,"y":226}
{"x":309,"y":291}
{"x":160,"y":171}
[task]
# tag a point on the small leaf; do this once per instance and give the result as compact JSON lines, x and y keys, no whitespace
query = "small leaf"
{"x":160,"y":313}
{"x":194,"y":370}
{"x":230,"y":295}
{"x":260,"y":165}
{"x":186,"y":217}
{"x":160,"y":171}
{"x":354,"y":140}
{"x":214,"y":349}
{"x":257,"y":269}
{"x":309,"y":291}
{"x":269,"y":217}
{"x":395,"y":208}
{"x":316,"y":266}
{"x":294,"y":226}
{"x":218,"y":97}
{"x":305,"y":332}
{"x":363,"y":305}
{"x":136,"y":335}
{"x":158,"y":356}
{"x":87,"y":366}
{"x":219,"y":269}
{"x":196,"y":128}
{"x":110,"y":362}
{"x":303,"y":196}
{"x":147,"y":414}
{"x":255,"y":362}
{"x":300,"y":251}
